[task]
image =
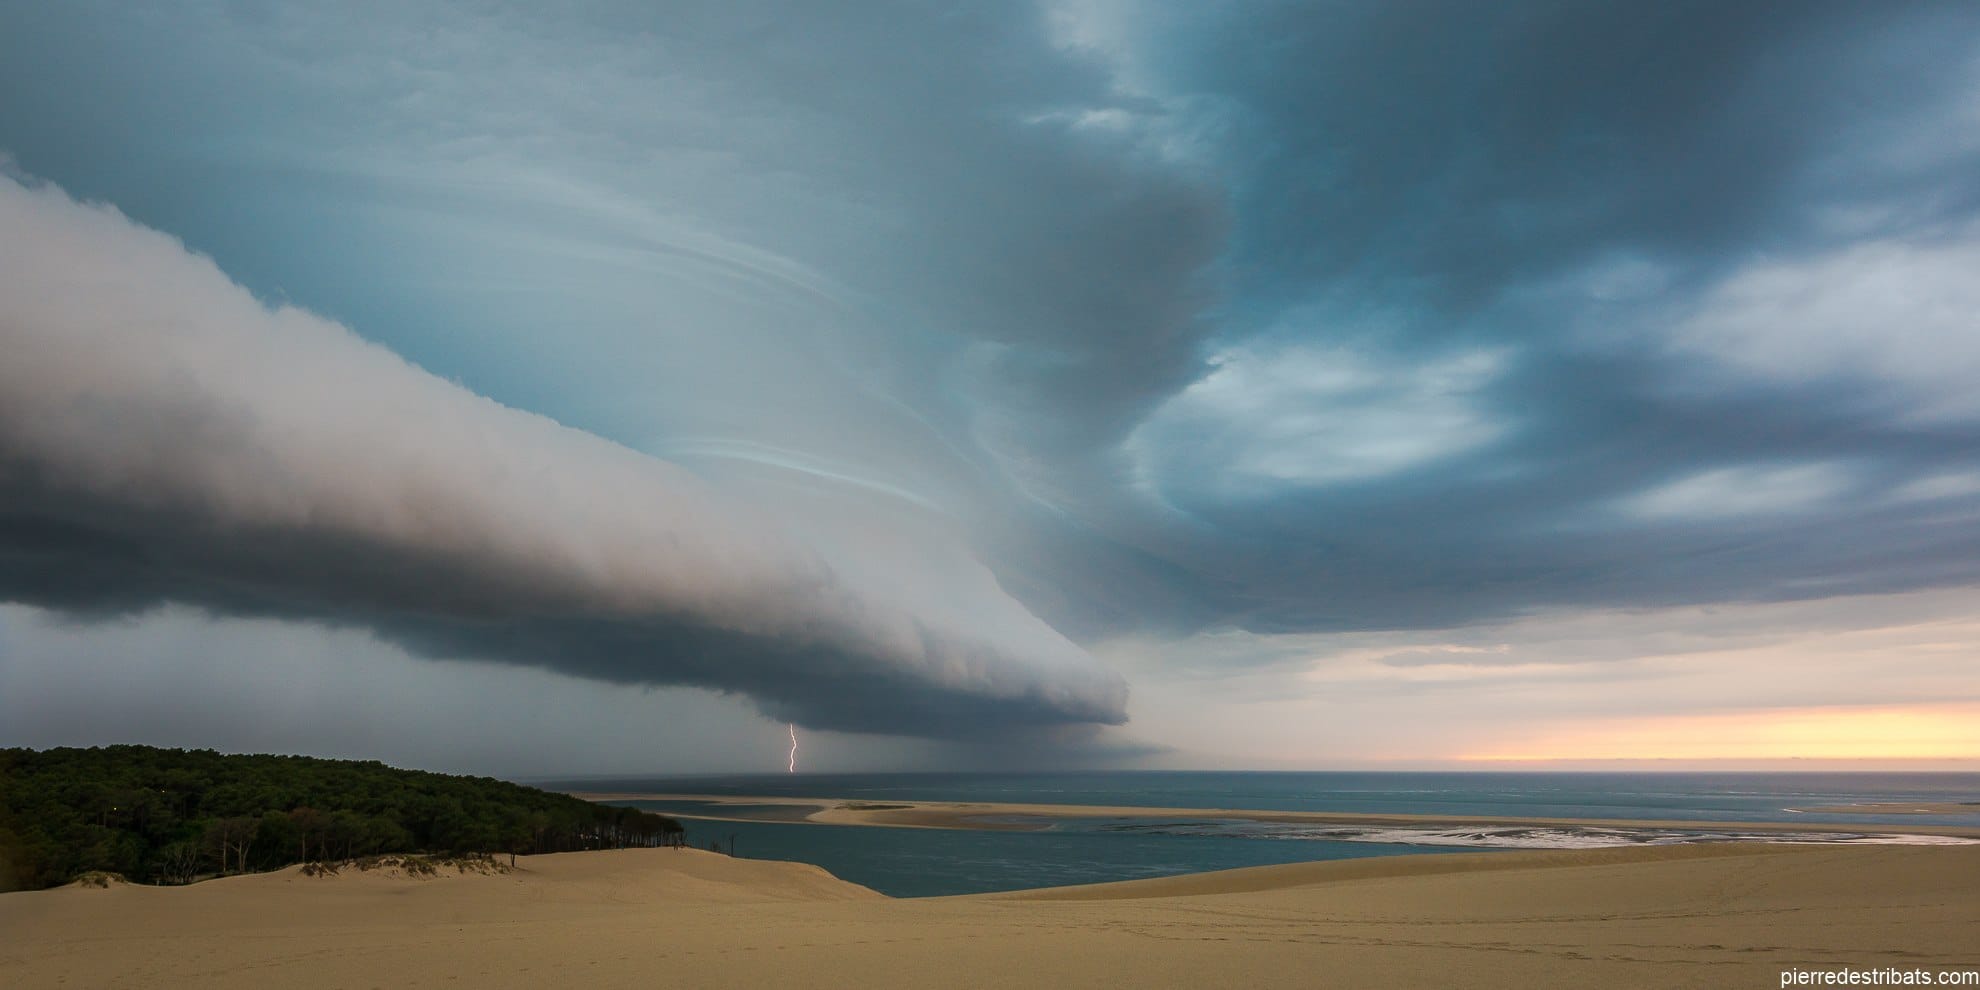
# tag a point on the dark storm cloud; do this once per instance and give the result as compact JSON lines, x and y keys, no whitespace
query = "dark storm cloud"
{"x":1288,"y":317}
{"x":1527,"y":307}
{"x":934,"y":209}
{"x":165,"y":437}
{"x":1602,"y":494}
{"x":1447,"y":148}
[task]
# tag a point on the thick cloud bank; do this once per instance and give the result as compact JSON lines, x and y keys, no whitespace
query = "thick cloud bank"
{"x":1197,"y":333}
{"x":164,"y":436}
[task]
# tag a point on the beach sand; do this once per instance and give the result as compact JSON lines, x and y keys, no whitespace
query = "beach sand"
{"x":1728,"y":915}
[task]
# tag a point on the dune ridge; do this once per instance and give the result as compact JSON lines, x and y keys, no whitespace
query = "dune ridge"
{"x":1728,"y":915}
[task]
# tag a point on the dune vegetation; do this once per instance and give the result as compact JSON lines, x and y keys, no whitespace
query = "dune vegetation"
{"x":172,"y":816}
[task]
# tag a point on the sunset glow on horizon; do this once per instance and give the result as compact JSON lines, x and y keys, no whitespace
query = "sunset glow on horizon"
{"x":1882,"y":732}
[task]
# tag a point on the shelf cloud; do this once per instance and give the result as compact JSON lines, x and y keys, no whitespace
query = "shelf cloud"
{"x":164,"y":436}
{"x":885,"y":363}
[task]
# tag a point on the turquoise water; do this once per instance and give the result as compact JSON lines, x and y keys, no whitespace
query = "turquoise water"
{"x":911,"y":862}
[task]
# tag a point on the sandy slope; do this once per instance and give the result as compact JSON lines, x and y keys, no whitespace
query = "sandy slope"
{"x":1729,"y":916}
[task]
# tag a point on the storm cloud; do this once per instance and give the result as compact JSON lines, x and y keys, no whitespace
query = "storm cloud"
{"x":1601,"y":304}
{"x":882,"y":362}
{"x":164,"y":436}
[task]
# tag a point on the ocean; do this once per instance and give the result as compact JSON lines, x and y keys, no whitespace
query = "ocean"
{"x":921,"y":862}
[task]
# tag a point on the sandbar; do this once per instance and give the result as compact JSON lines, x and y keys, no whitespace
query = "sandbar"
{"x":993,"y":815}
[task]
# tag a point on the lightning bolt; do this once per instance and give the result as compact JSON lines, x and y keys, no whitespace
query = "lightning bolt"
{"x":793,"y":727}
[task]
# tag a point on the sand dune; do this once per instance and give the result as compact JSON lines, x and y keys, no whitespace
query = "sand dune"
{"x":1732,"y":915}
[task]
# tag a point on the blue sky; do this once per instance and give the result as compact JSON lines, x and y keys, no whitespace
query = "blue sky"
{"x":1235,"y":384}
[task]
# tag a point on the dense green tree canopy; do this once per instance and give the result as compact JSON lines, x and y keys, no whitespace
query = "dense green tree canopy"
{"x":173,"y":816}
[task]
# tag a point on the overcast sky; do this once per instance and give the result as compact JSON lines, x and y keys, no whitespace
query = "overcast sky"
{"x":484,"y":387}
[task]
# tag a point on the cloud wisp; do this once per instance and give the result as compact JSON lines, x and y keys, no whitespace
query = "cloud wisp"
{"x":166,"y":436}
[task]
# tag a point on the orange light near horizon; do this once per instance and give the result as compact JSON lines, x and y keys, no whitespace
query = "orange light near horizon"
{"x":1918,"y":732}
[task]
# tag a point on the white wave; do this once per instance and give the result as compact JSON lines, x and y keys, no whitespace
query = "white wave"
{"x":1526,"y":836}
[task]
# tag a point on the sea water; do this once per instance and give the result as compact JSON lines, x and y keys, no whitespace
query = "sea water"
{"x":926,"y":862}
